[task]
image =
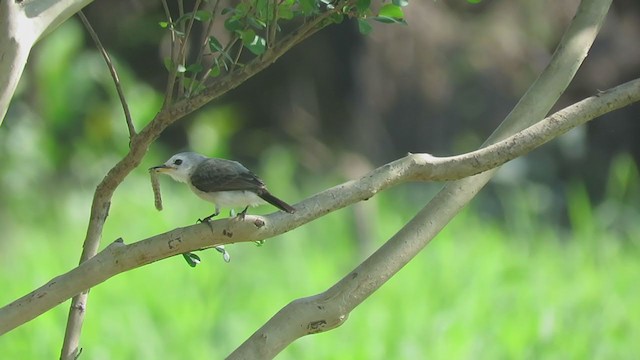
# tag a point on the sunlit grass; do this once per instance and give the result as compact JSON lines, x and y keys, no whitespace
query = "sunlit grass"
{"x":480,"y":290}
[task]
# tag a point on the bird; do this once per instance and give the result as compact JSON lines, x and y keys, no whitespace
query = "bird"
{"x":225,"y":183}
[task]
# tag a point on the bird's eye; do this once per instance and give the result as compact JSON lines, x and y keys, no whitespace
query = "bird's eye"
{"x":177,"y":162}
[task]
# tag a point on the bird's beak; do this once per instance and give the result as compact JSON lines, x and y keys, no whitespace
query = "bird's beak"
{"x":160,"y":168}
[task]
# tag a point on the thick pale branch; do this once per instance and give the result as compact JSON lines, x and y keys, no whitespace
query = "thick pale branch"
{"x":119,"y":257}
{"x":349,"y":292}
{"x":532,"y":137}
{"x":22,"y":24}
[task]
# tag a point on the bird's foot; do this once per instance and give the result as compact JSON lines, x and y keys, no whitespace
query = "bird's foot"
{"x":242,"y":213}
{"x":206,"y":219}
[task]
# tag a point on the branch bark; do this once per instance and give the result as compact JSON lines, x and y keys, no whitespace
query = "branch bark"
{"x":329,"y":309}
{"x":118,"y":257}
{"x":22,"y":24}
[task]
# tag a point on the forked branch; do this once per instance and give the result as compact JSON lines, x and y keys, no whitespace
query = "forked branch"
{"x":330,"y":308}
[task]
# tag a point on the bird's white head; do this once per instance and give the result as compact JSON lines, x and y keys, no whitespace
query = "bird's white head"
{"x":180,"y":166}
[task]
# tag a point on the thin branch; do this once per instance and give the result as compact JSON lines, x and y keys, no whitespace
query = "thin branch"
{"x":237,"y":58}
{"x":183,"y":46}
{"x":187,"y":33}
{"x":171,"y":80}
{"x":272,"y":26}
{"x":118,"y":257}
{"x":114,"y":74}
{"x":205,"y":45}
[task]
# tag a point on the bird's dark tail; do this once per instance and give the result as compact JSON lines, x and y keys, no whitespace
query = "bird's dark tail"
{"x":266,"y":196}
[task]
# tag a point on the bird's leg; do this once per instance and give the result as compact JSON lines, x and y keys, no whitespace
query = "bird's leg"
{"x":242,"y":213}
{"x":206,"y":219}
{"x":234,"y":218}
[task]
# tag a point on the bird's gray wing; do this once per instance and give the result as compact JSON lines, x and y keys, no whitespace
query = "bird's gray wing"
{"x":214,"y":175}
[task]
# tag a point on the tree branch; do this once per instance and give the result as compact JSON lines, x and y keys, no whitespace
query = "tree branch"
{"x":22,"y":24}
{"x":330,"y":309}
{"x":112,"y":71}
{"x":168,"y":94}
{"x":118,"y":257}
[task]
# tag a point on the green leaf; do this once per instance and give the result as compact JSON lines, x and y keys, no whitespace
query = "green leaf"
{"x":285,"y":12}
{"x":364,"y":27}
{"x":264,"y":10}
{"x":215,"y":71}
{"x":163,"y":24}
{"x":388,"y":20}
{"x":247,"y":36}
{"x":335,"y":18}
{"x":228,"y":57}
{"x":363,"y":5}
{"x":400,"y":2}
{"x":193,"y":85}
{"x":191,"y":259}
{"x":194,"y":68}
{"x":203,"y":15}
{"x":214,"y":45}
{"x":256,"y":44}
{"x":256,"y":23}
{"x":309,"y":7}
{"x":391,"y":11}
{"x":242,"y":9}
{"x":168,"y":64}
{"x":233,"y":24}
{"x":200,"y":15}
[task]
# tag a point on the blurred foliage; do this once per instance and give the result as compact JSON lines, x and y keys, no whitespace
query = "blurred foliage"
{"x":252,"y":25}
{"x":529,"y":270}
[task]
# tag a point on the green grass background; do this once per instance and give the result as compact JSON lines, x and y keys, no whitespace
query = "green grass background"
{"x":486,"y":288}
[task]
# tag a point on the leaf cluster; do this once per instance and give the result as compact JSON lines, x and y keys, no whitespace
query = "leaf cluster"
{"x":251,"y":28}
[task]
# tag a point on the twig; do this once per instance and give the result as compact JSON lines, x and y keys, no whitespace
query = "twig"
{"x":185,"y":39}
{"x":168,"y":96}
{"x":112,"y":70}
{"x":271,"y":32}
{"x":204,"y":45}
{"x":237,"y":59}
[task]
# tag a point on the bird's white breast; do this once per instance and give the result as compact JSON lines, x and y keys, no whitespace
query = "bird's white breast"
{"x":230,"y":199}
